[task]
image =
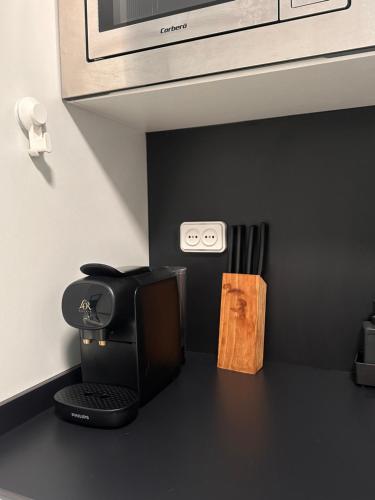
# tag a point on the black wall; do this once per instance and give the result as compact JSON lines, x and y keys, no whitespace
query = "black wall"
{"x":312,"y":178}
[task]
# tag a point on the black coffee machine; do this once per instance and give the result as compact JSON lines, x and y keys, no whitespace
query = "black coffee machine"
{"x":130,"y":329}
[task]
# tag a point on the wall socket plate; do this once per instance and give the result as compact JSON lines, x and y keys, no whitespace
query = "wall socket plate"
{"x":203,"y":237}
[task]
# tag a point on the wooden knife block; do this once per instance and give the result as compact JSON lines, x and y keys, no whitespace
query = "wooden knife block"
{"x":242,"y":321}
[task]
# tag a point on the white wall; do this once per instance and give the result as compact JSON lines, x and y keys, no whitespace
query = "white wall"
{"x":87,"y":201}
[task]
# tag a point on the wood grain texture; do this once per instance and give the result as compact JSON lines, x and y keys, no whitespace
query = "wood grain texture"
{"x":242,"y":321}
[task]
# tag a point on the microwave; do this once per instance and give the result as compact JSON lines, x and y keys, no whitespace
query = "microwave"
{"x":119,"y":27}
{"x":112,"y":45}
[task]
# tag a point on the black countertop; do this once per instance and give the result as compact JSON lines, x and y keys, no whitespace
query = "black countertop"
{"x":290,"y":432}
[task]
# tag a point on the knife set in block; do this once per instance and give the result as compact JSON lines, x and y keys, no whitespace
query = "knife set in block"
{"x":243,"y":304}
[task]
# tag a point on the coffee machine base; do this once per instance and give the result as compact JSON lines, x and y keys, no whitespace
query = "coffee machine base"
{"x":97,"y":405}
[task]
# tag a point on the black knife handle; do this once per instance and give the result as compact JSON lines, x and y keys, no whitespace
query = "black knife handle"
{"x":237,"y":251}
{"x":232,"y":242}
{"x":250,"y":249}
{"x":262,"y":247}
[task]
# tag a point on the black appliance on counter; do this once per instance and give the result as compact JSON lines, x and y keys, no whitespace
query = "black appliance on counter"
{"x":364,"y":363}
{"x":130,"y":329}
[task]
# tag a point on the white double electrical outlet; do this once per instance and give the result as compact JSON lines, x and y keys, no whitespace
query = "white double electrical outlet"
{"x":203,"y":237}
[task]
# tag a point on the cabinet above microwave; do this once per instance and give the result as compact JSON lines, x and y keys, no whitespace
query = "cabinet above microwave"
{"x":113,"y":45}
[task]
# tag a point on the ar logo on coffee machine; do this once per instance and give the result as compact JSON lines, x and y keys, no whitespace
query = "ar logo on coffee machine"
{"x":85,"y":309}
{"x":85,"y":306}
{"x":88,"y":309}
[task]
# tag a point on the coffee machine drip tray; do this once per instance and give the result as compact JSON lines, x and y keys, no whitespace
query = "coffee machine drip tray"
{"x":97,"y":405}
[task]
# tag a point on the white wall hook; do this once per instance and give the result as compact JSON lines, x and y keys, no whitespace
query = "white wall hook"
{"x":32,"y":116}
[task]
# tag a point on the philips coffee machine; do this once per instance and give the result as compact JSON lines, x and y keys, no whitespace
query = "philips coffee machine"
{"x":130,"y":329}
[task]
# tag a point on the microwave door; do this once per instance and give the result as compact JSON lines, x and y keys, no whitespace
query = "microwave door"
{"x":118,"y":27}
{"x":119,"y":13}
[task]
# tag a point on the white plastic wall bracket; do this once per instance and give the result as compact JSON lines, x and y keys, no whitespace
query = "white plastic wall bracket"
{"x":32,"y":117}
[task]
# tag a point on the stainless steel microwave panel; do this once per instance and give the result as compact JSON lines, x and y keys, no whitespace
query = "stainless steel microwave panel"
{"x":305,"y":29}
{"x":122,"y":26}
{"x":291,"y":9}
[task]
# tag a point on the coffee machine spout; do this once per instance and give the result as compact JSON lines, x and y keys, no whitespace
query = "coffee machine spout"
{"x":88,"y":336}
